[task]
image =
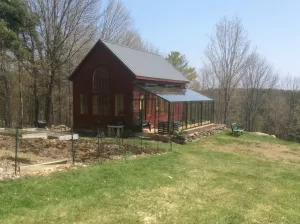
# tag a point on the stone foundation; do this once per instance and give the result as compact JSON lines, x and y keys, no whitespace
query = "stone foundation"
{"x":198,"y":133}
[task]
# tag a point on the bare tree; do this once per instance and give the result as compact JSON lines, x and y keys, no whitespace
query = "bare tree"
{"x":226,"y":56}
{"x":149,"y":47}
{"x":258,"y":79}
{"x":292,"y":107}
{"x":206,"y":79}
{"x":65,"y":28}
{"x":6,"y":88}
{"x":131,"y":38}
{"x":115,"y":22}
{"x":116,"y":26}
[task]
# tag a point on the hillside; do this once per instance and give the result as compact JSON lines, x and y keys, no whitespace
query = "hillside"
{"x":220,"y":179}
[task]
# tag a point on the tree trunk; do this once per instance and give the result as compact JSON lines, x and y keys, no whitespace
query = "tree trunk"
{"x":226,"y":102}
{"x":59,"y":102}
{"x":70,"y":105}
{"x":36,"y":100}
{"x":49,"y":98}
{"x":21,"y":97}
{"x":8,"y":111}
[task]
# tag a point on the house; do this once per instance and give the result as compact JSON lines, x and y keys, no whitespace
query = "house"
{"x":120,"y":85}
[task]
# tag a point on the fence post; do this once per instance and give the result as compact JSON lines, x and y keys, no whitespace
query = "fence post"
{"x":98,"y":139}
{"x":73,"y":150}
{"x":16,"y":150}
{"x":142,"y":139}
{"x":170,"y":139}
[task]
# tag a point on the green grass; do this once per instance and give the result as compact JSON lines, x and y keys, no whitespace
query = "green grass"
{"x":192,"y":184}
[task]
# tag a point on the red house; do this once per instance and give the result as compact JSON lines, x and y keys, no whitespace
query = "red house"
{"x":117,"y":84}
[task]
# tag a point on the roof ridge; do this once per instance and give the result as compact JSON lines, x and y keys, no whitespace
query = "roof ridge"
{"x":110,"y":42}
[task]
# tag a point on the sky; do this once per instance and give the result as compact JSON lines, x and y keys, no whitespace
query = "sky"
{"x":273,"y":27}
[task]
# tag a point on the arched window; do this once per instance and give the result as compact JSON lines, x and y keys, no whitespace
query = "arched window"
{"x":100,"y":80}
{"x":100,"y":91}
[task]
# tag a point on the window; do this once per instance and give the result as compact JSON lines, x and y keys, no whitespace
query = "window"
{"x":95,"y":104}
{"x":119,"y":104}
{"x":100,"y":80}
{"x":83,"y":104}
{"x":100,"y":105}
{"x":142,"y":101}
{"x":100,"y":92}
{"x":104,"y":102}
{"x":161,"y":106}
{"x":149,"y":103}
{"x":149,"y":106}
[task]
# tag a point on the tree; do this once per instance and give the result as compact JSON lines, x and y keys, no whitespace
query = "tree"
{"x":292,"y":107}
{"x":15,"y":19}
{"x":48,"y":39}
{"x":6,"y":88}
{"x":115,"y":21}
{"x":65,"y":28}
{"x":116,"y":26}
{"x":258,"y":79}
{"x":180,"y":62}
{"x":10,"y":23}
{"x":226,"y":56}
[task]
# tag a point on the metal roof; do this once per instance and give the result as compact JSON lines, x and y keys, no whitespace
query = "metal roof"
{"x":145,"y":64}
{"x":175,"y":94}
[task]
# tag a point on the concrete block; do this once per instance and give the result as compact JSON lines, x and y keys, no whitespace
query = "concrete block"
{"x":29,"y":129}
{"x":35,"y":135}
{"x":63,"y":137}
{"x":68,"y":137}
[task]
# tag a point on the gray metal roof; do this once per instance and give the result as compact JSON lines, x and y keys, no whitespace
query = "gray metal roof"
{"x":175,"y":94}
{"x":145,"y":64}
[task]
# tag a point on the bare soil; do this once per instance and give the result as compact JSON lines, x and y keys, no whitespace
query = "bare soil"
{"x":33,"y":151}
{"x":85,"y":150}
{"x":271,"y":151}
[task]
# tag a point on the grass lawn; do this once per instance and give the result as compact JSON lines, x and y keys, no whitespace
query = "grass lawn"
{"x":220,"y":179}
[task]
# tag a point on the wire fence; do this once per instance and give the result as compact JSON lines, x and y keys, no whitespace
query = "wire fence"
{"x":30,"y":147}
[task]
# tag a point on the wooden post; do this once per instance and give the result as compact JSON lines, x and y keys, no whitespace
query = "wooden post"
{"x":16,"y":150}
{"x":213,"y":112}
{"x":98,"y":136}
{"x":201,"y":113}
{"x":186,"y":115}
{"x":154,"y":114}
{"x":158,"y":111}
{"x":73,"y":150}
{"x":169,"y":117}
{"x":198,"y":112}
{"x":207,"y":105}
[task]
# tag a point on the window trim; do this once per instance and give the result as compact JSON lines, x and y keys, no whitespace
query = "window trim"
{"x":100,"y":87}
{"x":119,"y":104}
{"x":83,"y":104}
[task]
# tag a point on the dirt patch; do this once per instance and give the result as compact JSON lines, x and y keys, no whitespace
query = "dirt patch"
{"x":276,"y":151}
{"x":33,"y":151}
{"x":6,"y":142}
{"x":268,"y":150}
{"x":85,"y":150}
{"x":19,"y":160}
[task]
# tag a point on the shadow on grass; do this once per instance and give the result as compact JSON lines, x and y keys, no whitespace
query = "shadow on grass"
{"x":232,"y":135}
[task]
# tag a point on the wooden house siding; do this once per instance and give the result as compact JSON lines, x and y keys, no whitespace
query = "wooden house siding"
{"x":123,"y":81}
{"x":120,"y":81}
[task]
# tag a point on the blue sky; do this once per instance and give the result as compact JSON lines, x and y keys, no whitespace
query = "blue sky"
{"x":273,"y":27}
